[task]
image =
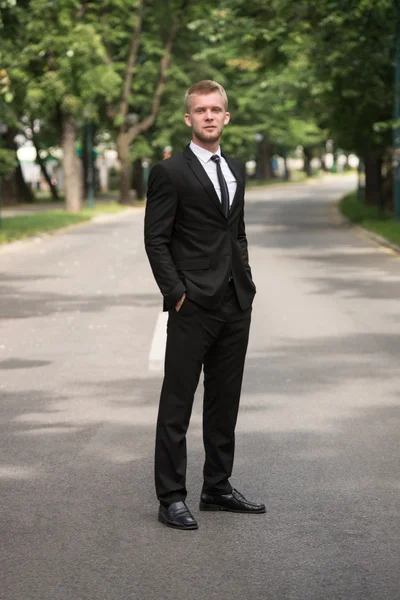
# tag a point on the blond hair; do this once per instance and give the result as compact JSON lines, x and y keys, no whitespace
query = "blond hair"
{"x":207,"y":86}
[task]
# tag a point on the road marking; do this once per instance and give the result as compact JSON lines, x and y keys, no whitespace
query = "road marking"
{"x":157,"y":350}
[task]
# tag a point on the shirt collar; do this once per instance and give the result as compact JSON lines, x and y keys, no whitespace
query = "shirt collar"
{"x":203,"y":154}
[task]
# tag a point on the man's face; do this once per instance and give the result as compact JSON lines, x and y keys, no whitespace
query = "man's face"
{"x":207,"y":117}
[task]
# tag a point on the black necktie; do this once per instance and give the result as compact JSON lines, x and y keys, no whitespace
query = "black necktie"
{"x":222,"y":184}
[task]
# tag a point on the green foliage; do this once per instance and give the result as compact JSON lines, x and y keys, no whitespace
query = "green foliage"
{"x":248,"y":49}
{"x":298,"y":73}
{"x":348,"y":48}
{"x":141,"y":148}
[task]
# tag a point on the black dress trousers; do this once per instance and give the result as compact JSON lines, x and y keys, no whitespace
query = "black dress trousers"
{"x":216,"y":339}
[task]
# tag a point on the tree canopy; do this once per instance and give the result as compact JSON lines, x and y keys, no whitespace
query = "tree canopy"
{"x":296,"y":73}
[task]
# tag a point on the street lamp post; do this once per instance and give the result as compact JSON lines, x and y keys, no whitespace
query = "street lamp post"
{"x":286,"y":174}
{"x":396,"y":115}
{"x":3,"y":130}
{"x":258,"y":138}
{"x":90,"y":170}
{"x":0,"y":200}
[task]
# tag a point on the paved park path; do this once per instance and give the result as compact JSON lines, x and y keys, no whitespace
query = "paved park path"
{"x":317,"y":440}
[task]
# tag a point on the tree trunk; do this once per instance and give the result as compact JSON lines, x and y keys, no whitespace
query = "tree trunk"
{"x":88,"y":159}
{"x":71,"y":166}
{"x":373,"y":180}
{"x":266,"y":160}
{"x":15,"y":189}
{"x":9,"y":192}
{"x":307,"y":161}
{"x":271,"y":162}
{"x":286,"y":172}
{"x":124,"y":157}
{"x":41,"y":163}
{"x":25,"y":193}
{"x":138,"y":178}
{"x":84,"y":161}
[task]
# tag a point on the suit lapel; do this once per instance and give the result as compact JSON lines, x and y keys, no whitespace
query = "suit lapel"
{"x":239,"y":184}
{"x":202,"y":176}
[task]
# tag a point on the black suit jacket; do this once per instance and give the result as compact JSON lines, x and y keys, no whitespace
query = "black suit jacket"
{"x":192,"y":247}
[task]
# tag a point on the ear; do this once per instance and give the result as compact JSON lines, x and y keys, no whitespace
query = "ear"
{"x":227,"y":118}
{"x":188,"y":120}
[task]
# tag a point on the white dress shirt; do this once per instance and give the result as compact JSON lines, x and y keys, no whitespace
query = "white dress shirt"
{"x":210,"y":168}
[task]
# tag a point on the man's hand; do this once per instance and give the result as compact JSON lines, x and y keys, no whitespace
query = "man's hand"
{"x":179,"y":304}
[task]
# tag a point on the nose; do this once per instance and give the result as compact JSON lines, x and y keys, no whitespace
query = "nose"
{"x":209,"y":115}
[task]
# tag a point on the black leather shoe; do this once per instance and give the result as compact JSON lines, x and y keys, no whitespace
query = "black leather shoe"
{"x":233,"y":502}
{"x":177,"y":515}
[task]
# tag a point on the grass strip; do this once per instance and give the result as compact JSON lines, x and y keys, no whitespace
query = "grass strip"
{"x":23,"y":226}
{"x":370,"y":217}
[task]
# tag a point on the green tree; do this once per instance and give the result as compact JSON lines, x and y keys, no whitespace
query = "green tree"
{"x":140,"y":56}
{"x":70,"y":76}
{"x":251,"y":51}
{"x":349,"y":51}
{"x":107,"y":63}
{"x":14,"y":187}
{"x":58,"y":70}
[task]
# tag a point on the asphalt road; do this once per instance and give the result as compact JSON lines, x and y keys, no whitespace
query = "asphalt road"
{"x":318,"y":432}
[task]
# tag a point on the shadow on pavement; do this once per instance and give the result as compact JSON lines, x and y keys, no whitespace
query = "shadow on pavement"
{"x":20,"y":304}
{"x":18,"y":363}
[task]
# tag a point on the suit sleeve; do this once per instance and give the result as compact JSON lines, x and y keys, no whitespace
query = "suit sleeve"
{"x":242,"y":237}
{"x":159,"y":221}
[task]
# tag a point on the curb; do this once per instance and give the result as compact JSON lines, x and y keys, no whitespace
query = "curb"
{"x":374,"y":237}
{"x":41,"y":237}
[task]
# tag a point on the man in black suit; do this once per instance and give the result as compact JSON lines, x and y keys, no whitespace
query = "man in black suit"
{"x":196,"y":244}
